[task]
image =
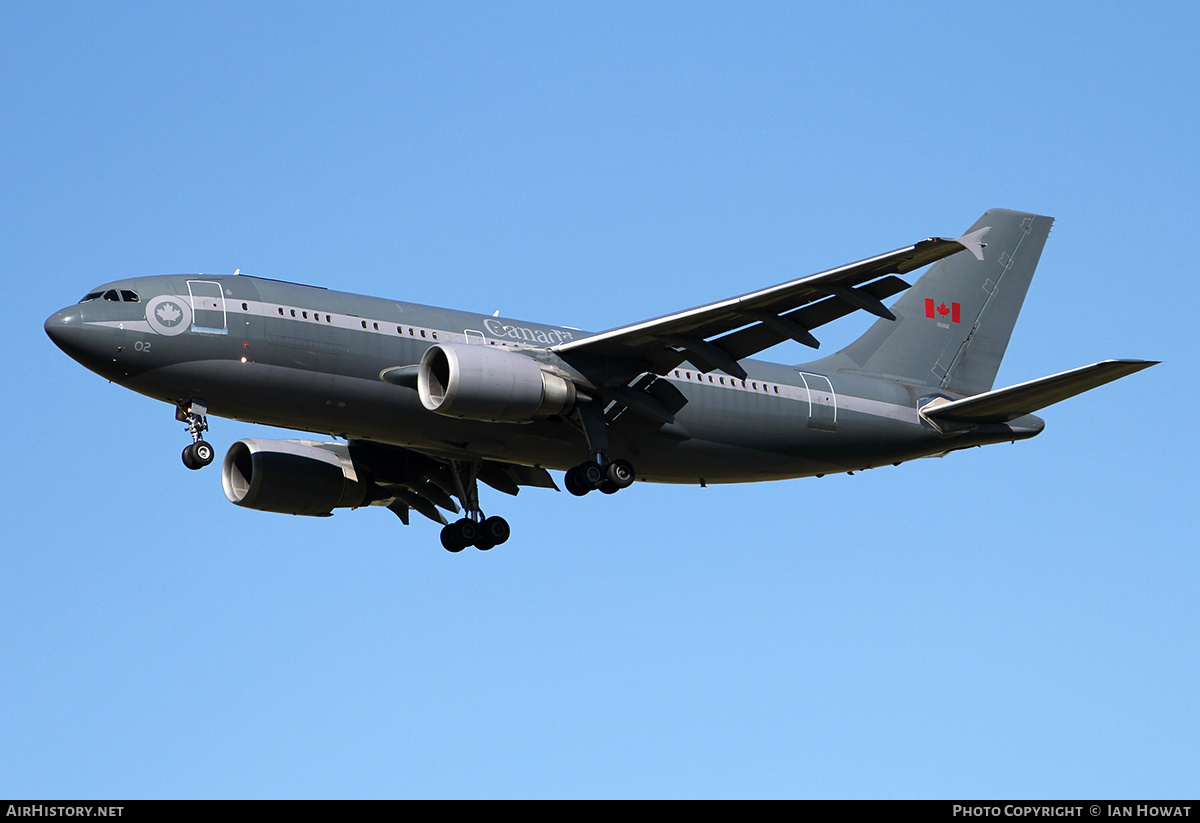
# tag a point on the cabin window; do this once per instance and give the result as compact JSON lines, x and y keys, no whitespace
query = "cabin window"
{"x":422,"y":332}
{"x":245,"y":307}
{"x":776,"y":388}
{"x":305,"y":314}
{"x":293,"y":312}
{"x":112,"y":295}
{"x":433,"y":334}
{"x":281,"y":311}
{"x":376,"y":325}
{"x":364,"y":324}
{"x":129,"y":296}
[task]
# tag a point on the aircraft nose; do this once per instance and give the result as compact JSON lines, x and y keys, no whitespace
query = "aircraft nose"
{"x":65,"y":328}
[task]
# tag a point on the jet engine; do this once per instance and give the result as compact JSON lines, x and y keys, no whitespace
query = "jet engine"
{"x":489,"y":384}
{"x":292,"y":477}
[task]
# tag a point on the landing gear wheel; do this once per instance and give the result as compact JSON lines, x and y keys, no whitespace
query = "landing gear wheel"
{"x":495,"y":531}
{"x":448,"y":541}
{"x":584,"y":478}
{"x":458,"y":535}
{"x":609,"y":487}
{"x":203,"y":453}
{"x":573,"y":483}
{"x":592,"y":475}
{"x":198,"y":455}
{"x":620,"y":474}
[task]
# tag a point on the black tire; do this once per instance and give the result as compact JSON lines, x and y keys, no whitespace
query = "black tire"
{"x":203,"y":452}
{"x":574,"y":484}
{"x":609,"y":487}
{"x":450,"y":539}
{"x":591,"y":475}
{"x":620,"y":474}
{"x":189,"y":457}
{"x":495,"y":530}
{"x":467,"y":531}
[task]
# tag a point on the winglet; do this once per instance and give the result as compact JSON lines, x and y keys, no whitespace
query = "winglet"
{"x":973,"y":241}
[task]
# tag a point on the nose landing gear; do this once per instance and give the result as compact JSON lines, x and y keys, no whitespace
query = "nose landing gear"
{"x":199,"y":454}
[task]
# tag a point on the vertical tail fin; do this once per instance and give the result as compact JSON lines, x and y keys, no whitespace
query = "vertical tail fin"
{"x":953,"y":326}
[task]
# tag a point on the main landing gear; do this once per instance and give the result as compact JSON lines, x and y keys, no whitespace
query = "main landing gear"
{"x":609,"y":479}
{"x":199,"y":454}
{"x":484,"y":533}
{"x":598,"y":472}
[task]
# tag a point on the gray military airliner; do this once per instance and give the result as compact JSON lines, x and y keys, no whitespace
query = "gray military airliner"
{"x":428,"y":402}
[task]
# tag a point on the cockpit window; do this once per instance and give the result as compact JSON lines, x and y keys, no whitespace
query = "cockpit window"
{"x":114,"y":295}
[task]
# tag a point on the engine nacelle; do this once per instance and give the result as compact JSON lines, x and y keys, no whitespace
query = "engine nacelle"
{"x":292,"y":477}
{"x":489,"y":384}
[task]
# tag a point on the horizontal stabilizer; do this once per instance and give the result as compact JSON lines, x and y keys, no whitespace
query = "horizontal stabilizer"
{"x":1003,"y":405}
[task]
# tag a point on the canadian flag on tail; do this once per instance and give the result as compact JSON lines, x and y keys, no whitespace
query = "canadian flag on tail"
{"x":941,"y":310}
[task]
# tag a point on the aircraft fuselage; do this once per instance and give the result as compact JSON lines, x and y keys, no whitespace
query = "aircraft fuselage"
{"x":311,"y":359}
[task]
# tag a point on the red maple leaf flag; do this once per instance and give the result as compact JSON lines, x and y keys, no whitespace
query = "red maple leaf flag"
{"x":955,"y":310}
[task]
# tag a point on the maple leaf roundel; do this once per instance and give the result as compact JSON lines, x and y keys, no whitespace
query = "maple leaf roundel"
{"x":168,"y":314}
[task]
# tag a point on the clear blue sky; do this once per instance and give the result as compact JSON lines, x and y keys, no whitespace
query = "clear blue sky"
{"x":1020,"y":620}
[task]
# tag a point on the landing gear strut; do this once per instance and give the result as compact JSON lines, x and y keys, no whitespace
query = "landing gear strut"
{"x":484,"y":533}
{"x":199,"y":454}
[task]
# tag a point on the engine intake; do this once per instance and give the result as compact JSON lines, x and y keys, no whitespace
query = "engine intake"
{"x":491,"y":385}
{"x":292,"y":477}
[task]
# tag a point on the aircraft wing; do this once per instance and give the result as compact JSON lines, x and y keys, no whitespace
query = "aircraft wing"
{"x":708,"y":335}
{"x":1003,"y":405}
